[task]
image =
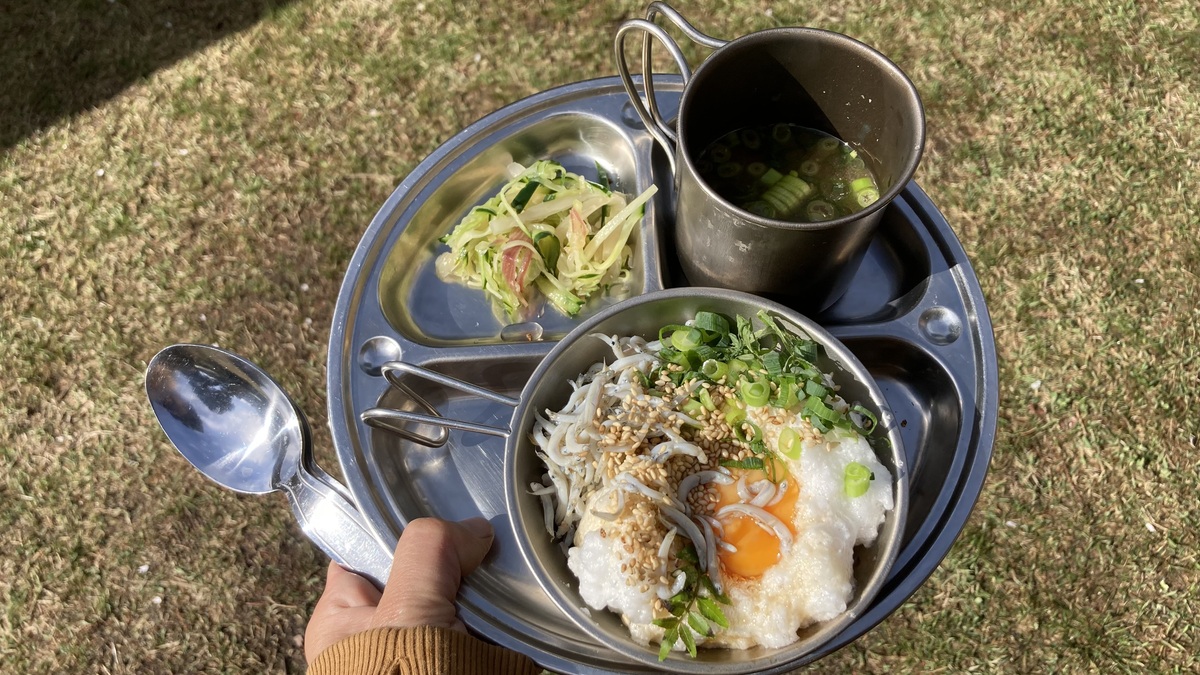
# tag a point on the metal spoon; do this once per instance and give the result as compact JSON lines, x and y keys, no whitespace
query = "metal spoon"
{"x":238,"y":427}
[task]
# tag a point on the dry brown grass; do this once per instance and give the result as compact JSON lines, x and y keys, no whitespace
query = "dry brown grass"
{"x":218,"y":194}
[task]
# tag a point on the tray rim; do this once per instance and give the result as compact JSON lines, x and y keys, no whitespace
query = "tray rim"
{"x":354,"y":291}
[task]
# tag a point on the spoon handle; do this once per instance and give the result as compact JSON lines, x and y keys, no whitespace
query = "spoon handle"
{"x":336,"y":526}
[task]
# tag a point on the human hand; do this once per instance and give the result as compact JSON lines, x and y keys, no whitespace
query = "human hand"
{"x":431,"y":559}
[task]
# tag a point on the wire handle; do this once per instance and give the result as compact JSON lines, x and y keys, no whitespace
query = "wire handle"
{"x":389,"y":419}
{"x":648,"y":110}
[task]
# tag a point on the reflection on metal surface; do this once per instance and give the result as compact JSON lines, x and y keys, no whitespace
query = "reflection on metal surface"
{"x":941,"y":325}
{"x":529,"y":331}
{"x":943,"y":397}
{"x":377,"y":351}
{"x":238,"y":427}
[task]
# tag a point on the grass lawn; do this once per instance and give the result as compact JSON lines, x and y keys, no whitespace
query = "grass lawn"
{"x":204,"y":174}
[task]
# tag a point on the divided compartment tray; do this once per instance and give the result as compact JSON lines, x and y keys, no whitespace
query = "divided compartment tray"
{"x":914,"y":315}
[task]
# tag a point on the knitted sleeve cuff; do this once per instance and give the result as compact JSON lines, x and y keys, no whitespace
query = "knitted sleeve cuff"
{"x":419,"y":650}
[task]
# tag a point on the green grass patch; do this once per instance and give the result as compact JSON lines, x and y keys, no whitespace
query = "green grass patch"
{"x":209,"y":181}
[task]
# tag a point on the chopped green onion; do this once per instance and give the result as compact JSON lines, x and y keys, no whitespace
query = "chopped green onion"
{"x":857,"y":407}
{"x":719,"y":153}
{"x":664,"y":333}
{"x":679,"y":357}
{"x":711,"y":322}
{"x":786,"y":397}
{"x":819,"y":210}
{"x":734,"y":415}
{"x":740,"y":433}
{"x":703,"y":353}
{"x":828,"y":145}
{"x":771,"y":177}
{"x":760,"y":208}
{"x":782,"y":133}
{"x":815,"y":407}
{"x":737,"y":367}
{"x":692,"y":408}
{"x":686,"y":339}
{"x":787,"y":194}
{"x":866,"y":197}
{"x":772,"y":363}
{"x":860,"y":184}
{"x":714,"y":369}
{"x":755,"y":394}
{"x":810,"y":167}
{"x":706,"y":399}
{"x":729,"y":169}
{"x":814,"y":388}
{"x":857,"y":479}
{"x":789,"y":443}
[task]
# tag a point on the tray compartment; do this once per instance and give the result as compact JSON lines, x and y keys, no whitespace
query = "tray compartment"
{"x":429,"y":311}
{"x":894,"y":266}
{"x":469,"y":465}
{"x":464,"y":478}
{"x":925,"y":406}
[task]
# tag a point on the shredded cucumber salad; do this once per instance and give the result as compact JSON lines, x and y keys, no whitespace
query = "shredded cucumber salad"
{"x":548,"y":233}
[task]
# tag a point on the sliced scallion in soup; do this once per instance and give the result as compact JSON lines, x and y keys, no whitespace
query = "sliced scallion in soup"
{"x":788,"y":172}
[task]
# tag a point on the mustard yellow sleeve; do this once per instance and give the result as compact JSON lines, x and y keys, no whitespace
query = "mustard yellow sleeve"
{"x":421,"y":650}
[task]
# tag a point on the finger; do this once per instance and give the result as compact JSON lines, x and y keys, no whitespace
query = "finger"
{"x":345,"y":608}
{"x":431,"y":559}
{"x":348,"y":589}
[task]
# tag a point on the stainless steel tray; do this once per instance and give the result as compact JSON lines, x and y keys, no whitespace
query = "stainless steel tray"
{"x":914,"y":315}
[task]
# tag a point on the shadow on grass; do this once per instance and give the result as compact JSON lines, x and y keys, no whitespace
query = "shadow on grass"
{"x":63,"y":56}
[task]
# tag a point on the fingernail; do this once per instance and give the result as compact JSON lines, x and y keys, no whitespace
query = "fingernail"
{"x":478,"y":526}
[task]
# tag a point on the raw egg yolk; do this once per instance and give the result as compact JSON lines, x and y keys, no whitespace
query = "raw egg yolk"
{"x":757,"y":548}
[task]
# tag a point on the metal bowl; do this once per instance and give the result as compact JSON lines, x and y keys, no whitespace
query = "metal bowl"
{"x":549,"y":388}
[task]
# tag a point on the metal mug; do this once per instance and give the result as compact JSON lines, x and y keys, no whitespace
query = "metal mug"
{"x":805,"y":76}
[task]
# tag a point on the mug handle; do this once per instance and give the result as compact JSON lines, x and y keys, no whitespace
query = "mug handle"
{"x":648,"y":111}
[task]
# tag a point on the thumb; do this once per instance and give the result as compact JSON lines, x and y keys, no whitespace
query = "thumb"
{"x":430,"y":562}
{"x":345,"y":608}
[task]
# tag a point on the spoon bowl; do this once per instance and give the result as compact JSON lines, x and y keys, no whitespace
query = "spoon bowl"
{"x":227,"y":417}
{"x":238,"y":427}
